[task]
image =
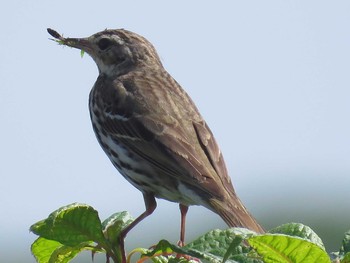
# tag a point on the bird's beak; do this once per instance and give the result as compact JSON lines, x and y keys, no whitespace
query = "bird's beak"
{"x":81,"y":43}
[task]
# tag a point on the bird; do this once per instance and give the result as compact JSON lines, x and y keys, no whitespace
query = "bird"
{"x":152,"y":131}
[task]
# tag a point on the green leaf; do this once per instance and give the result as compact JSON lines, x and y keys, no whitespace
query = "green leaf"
{"x":343,"y":255}
{"x":50,"y":251}
{"x":165,"y":252}
{"x":345,"y":248}
{"x":82,"y":52}
{"x":42,"y":249}
{"x":164,"y":247}
{"x":65,"y":253}
{"x":346,"y":258}
{"x":214,"y":247}
{"x":114,"y":224}
{"x":232,"y":250}
{"x":222,"y":245}
{"x":215,"y":242}
{"x":298,"y":230}
{"x":71,"y":225}
{"x":282,"y":248}
{"x":112,"y":228}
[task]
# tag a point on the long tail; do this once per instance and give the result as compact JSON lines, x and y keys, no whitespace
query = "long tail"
{"x":235,"y":214}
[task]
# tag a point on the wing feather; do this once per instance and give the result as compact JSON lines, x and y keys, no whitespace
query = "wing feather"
{"x":169,"y":133}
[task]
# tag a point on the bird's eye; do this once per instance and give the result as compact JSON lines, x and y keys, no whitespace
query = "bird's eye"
{"x":104,"y":43}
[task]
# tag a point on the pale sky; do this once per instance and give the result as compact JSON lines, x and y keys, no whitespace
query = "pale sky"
{"x":270,"y":77}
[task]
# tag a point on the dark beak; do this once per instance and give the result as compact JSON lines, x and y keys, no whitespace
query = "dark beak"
{"x":80,"y":43}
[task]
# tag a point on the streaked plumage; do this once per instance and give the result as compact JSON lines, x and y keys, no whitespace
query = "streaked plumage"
{"x":152,"y":131}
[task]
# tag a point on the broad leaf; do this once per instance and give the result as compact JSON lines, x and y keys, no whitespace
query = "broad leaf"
{"x":71,"y":225}
{"x":42,"y":249}
{"x":50,"y":251}
{"x":222,"y":245}
{"x":346,"y":258}
{"x":298,"y":230}
{"x":165,"y":252}
{"x":345,"y":248}
{"x":286,"y":249}
{"x":114,"y":224}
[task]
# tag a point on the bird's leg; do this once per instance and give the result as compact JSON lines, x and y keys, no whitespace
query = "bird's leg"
{"x":151,"y":204}
{"x":181,"y":243}
{"x":183,"y":210}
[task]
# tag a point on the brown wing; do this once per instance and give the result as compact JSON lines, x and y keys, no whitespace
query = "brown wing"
{"x":166,"y":129}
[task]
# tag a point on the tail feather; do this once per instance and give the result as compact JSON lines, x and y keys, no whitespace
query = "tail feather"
{"x":235,"y":214}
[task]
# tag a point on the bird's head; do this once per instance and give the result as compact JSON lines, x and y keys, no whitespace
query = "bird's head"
{"x":115,"y":51}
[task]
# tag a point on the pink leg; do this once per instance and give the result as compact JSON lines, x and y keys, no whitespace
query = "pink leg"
{"x":151,"y":204}
{"x":183,"y":210}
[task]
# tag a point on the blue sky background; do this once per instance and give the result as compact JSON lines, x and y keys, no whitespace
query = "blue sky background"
{"x":270,"y":77}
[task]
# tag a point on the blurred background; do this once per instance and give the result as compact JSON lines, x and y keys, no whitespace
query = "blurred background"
{"x":270,"y":77}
